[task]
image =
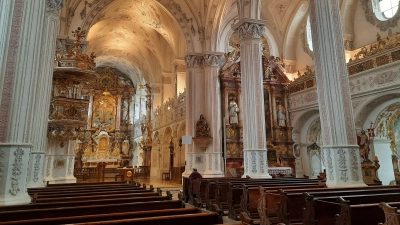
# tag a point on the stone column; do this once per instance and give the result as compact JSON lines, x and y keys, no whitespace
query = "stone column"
{"x":28,"y":33}
{"x":194,"y":108}
{"x":254,"y":139}
{"x":340,"y":151}
{"x":213,"y":155}
{"x":43,"y":92}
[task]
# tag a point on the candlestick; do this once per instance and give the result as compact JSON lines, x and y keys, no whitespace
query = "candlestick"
{"x":376,"y":158}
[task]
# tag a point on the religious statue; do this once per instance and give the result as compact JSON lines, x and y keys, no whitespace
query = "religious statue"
{"x":125,"y":112}
{"x":363,"y":142}
{"x":281,"y":115}
{"x":202,"y":128}
{"x":125,"y":147}
{"x":233,"y":111}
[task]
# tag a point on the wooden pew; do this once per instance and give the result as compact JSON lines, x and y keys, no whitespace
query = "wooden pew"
{"x":82,"y":188}
{"x":91,"y":192}
{"x":353,"y":209}
{"x":392,"y":216}
{"x":37,"y":199}
{"x":29,"y":214}
{"x":253,"y":201}
{"x":291,"y":202}
{"x":101,"y":201}
{"x":83,"y":184}
{"x":105,"y":217}
{"x":193,"y":219}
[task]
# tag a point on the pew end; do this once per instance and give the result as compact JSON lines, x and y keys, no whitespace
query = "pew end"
{"x":169,"y":195}
{"x":159,"y":191}
{"x":344,"y":216}
{"x":197,"y":203}
{"x":181,"y":196}
{"x":246,"y":219}
{"x":220,"y":212}
{"x":151,"y":187}
{"x":392,"y":217}
{"x":34,"y":198}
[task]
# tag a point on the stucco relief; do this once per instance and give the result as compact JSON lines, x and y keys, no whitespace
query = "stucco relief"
{"x":371,"y":82}
{"x":301,"y":99}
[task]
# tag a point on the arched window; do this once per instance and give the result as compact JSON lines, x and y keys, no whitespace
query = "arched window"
{"x":385,"y":9}
{"x":308,"y":34}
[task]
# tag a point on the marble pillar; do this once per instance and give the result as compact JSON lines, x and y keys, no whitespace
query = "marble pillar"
{"x":213,"y":154}
{"x":340,"y":151}
{"x":43,"y":92}
{"x":28,"y":32}
{"x":194,"y":108}
{"x":254,"y":135}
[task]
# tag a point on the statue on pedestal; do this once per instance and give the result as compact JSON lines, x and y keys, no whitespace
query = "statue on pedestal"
{"x":363,"y":142}
{"x":233,"y":111}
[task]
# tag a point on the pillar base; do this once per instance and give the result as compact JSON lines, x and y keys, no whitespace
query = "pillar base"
{"x":35,"y":171}
{"x":14,"y":161}
{"x":255,"y":164}
{"x":213,"y":167}
{"x":343,"y":166}
{"x":299,"y":168}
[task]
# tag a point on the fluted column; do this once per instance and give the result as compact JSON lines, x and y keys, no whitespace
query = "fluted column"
{"x":254,"y":139}
{"x":27,"y":48}
{"x":51,"y":28}
{"x":341,"y":154}
{"x":213,"y":155}
{"x":194,"y":108}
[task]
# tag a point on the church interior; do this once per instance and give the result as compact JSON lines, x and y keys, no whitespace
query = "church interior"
{"x":273,"y":102}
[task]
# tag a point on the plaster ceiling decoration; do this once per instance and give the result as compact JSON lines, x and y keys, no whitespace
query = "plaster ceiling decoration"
{"x":138,"y":37}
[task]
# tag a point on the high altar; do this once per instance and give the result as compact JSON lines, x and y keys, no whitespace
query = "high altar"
{"x":107,"y":138}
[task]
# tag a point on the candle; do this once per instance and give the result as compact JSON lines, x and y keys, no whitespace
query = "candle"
{"x":376,"y":158}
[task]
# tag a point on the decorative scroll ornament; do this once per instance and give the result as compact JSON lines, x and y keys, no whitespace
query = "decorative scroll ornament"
{"x":342,"y":165}
{"x":250,"y":30}
{"x":36,"y":168}
{"x":303,"y":37}
{"x":16,"y":171}
{"x":354,"y":162}
{"x":194,"y":61}
{"x":53,"y":6}
{"x":329,"y":163}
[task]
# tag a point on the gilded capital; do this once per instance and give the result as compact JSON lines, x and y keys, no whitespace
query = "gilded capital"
{"x":54,"y":6}
{"x":250,"y":30}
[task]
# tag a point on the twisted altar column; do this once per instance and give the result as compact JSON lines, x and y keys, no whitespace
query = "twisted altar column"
{"x":254,"y":137}
{"x":340,"y":151}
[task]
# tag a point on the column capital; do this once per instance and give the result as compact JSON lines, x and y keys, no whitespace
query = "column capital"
{"x":194,"y":60}
{"x":250,"y":28}
{"x":53,"y":6}
{"x":213,"y":58}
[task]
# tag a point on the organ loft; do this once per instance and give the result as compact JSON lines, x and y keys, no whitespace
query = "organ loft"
{"x":221,"y":101}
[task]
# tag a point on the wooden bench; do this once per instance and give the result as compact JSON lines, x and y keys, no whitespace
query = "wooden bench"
{"x":353,"y":209}
{"x":91,"y":191}
{"x":29,"y":214}
{"x":106,"y":217}
{"x":291,"y":202}
{"x":193,"y":219}
{"x":37,"y":199}
{"x":253,"y":200}
{"x":392,"y":216}
{"x":82,"y":184}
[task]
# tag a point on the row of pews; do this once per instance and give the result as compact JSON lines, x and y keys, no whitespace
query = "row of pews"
{"x":103,"y":203}
{"x":293,"y":201}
